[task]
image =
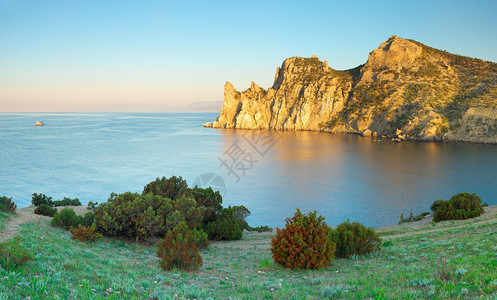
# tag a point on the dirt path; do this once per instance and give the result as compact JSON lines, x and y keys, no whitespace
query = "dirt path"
{"x":12,"y":224}
{"x":26,"y":215}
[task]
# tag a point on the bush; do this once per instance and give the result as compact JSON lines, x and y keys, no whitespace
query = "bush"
{"x":437,"y":204}
{"x":92,"y":205}
{"x":66,"y":219}
{"x":7,"y":205}
{"x":461,"y":206}
{"x":413,"y":218}
{"x":354,"y":239}
{"x":13,"y":254}
{"x":179,"y":249}
{"x":85,"y":233}
{"x":226,"y":227}
{"x":39,"y":199}
{"x":67,"y":202}
{"x":87,"y":219}
{"x":211,"y":200}
{"x":133,"y":215}
{"x":171,"y":188}
{"x":303,"y":243}
{"x":261,"y":228}
{"x":45,"y":210}
{"x":240,"y":213}
{"x":189,"y":211}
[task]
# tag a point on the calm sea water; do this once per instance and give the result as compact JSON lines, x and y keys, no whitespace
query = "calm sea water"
{"x":271,"y":173}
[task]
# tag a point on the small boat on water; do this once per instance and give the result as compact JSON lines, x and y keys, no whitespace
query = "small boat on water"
{"x":38,"y":123}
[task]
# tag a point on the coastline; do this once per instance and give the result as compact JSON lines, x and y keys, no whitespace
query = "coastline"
{"x":396,"y":139}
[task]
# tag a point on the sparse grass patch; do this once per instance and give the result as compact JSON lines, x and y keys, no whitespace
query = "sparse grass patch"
{"x":3,"y":217}
{"x":265,"y":264}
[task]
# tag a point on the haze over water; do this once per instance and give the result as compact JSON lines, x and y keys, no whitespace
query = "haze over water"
{"x":341,"y":176}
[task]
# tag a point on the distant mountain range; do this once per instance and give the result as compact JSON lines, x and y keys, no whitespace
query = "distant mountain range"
{"x":405,"y":91}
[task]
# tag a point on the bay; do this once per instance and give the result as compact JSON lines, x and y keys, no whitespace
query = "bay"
{"x":90,"y":155}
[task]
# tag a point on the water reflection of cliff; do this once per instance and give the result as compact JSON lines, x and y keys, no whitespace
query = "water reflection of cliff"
{"x":350,"y":177}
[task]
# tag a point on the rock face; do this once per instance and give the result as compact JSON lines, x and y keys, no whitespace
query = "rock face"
{"x":405,"y":90}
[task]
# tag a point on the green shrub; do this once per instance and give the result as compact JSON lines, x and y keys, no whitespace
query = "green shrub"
{"x":66,"y":219}
{"x":261,"y":228}
{"x":461,"y":206}
{"x":354,"y":239}
{"x":85,"y":233}
{"x":13,"y":255}
{"x":92,"y":205}
{"x":133,"y":215}
{"x":240,"y":212}
{"x":39,"y":199}
{"x":7,"y":205}
{"x":211,"y":200}
{"x":413,"y":218}
{"x":191,"y":213}
{"x":67,"y":202}
{"x":225,"y":227}
{"x":45,"y":210}
{"x":303,"y":243}
{"x":437,"y":204}
{"x":87,"y":219}
{"x":179,"y":249}
{"x":171,"y":188}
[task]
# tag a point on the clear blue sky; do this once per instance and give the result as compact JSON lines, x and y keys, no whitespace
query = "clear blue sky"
{"x":146,"y":55}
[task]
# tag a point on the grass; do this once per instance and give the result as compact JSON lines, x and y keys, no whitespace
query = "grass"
{"x":3,"y":217}
{"x":429,"y":265}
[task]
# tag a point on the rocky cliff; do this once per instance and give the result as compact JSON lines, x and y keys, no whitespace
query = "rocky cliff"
{"x":406,"y":90}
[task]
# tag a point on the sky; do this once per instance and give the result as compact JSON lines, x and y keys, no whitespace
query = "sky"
{"x":109,"y":55}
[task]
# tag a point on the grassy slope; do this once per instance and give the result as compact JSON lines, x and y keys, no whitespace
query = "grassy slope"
{"x":408,"y":269}
{"x":3,"y":217}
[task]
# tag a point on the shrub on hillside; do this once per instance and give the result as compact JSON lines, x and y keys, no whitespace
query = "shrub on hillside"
{"x":413,"y":218}
{"x":66,"y":218}
{"x":85,"y":233}
{"x":92,"y":205}
{"x":45,"y":210}
{"x":240,"y":212}
{"x":39,"y":199}
{"x":179,"y":249}
{"x":354,"y":239}
{"x":303,"y":243}
{"x":260,"y":228}
{"x":226,"y":226}
{"x":461,"y":206}
{"x":210,"y":199}
{"x":87,"y":219}
{"x":191,"y":213}
{"x":7,"y":205}
{"x":133,"y":215}
{"x":67,"y":202}
{"x":165,"y":203}
{"x":437,"y":204}
{"x":171,"y":188}
{"x":13,"y":254}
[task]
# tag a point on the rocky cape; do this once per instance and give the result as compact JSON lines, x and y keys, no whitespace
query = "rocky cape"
{"x":405,"y":91}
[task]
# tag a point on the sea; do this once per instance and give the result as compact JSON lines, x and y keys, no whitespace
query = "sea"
{"x":343,"y":177}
